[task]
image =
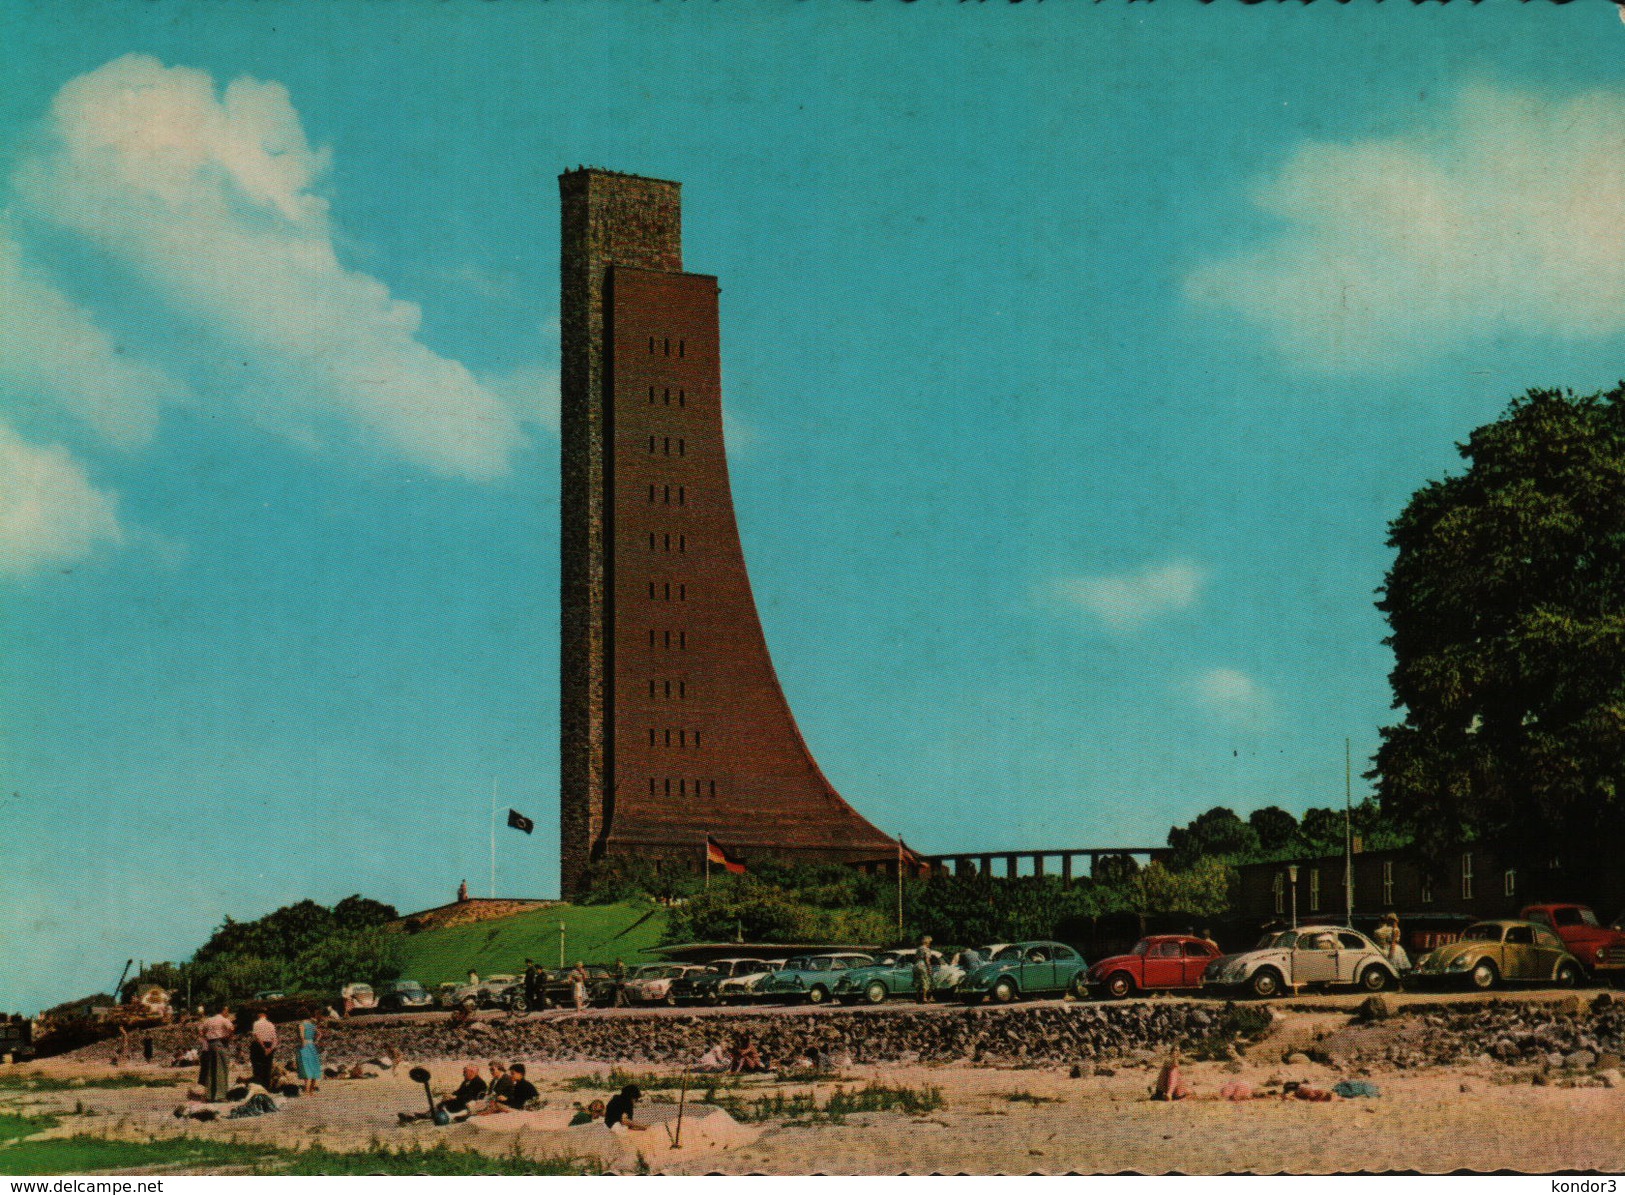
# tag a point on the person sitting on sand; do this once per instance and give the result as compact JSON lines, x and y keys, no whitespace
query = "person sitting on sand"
{"x":456,"y":1105}
{"x":591,"y":1114}
{"x":618,"y":1112}
{"x":511,"y":1093}
{"x":500,"y":1084}
{"x":1170,"y":1085}
{"x":746,"y":1059}
{"x":715,"y":1060}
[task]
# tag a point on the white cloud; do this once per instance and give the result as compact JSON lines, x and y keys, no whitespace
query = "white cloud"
{"x":1229,"y":695}
{"x":50,"y":513}
{"x":1124,"y":601}
{"x":1504,"y":216}
{"x":213,"y":200}
{"x":55,"y":349}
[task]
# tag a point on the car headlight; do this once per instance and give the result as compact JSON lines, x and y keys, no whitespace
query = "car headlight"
{"x":1460,"y":963}
{"x":1601,"y":951}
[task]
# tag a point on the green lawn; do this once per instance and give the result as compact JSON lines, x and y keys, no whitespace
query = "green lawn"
{"x":592,"y":933}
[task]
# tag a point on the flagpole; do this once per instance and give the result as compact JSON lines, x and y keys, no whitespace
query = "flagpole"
{"x":493,"y":837}
{"x":899,"y":888}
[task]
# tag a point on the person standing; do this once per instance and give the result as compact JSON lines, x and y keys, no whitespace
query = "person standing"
{"x":924,"y":977}
{"x":578,"y":985}
{"x":217,"y":1032}
{"x":1388,"y":937}
{"x":262,"y":1049}
{"x":310,"y":1055}
{"x":618,"y":974}
{"x":533,"y":985}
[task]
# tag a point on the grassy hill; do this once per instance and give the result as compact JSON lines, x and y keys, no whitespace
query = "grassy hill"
{"x":592,"y":933}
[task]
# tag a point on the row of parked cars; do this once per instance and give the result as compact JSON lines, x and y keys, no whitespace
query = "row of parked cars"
{"x":1553,"y":944}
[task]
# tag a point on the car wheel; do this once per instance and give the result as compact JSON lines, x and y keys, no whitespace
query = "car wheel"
{"x":470,"y":1004}
{"x":1568,"y":976}
{"x":875,"y":992}
{"x":671,"y":1001}
{"x":519,"y":1004}
{"x":1120,"y":985}
{"x":1483,"y":976}
{"x":1079,"y":987}
{"x":1374,"y":978}
{"x":1005,"y":991}
{"x":1266,"y":983}
{"x":818,"y":994}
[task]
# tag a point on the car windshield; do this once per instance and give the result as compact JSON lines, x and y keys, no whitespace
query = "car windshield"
{"x":1140,"y":947}
{"x":1573,"y":916}
{"x":1009,"y":952}
{"x":408,"y":985}
{"x":1484,"y":932}
{"x":1280,"y":940}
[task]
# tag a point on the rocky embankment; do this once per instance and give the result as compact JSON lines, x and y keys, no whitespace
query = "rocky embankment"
{"x":1569,"y":1033}
{"x":1061,"y":1033}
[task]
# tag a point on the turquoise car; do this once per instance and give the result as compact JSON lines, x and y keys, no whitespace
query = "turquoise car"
{"x":893,"y":972}
{"x":1027,"y":969}
{"x":811,"y":977}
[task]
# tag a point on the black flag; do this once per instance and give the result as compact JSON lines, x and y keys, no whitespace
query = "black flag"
{"x":520,"y":822}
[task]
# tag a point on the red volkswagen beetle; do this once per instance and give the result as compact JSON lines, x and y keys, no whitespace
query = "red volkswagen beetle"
{"x":1159,"y":963}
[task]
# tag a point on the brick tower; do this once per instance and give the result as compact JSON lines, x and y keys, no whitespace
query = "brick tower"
{"x":673,"y":723}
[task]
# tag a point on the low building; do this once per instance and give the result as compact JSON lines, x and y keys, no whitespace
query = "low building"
{"x":1433,"y":903}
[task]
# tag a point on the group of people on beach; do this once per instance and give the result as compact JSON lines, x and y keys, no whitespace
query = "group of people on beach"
{"x":215,"y":1035}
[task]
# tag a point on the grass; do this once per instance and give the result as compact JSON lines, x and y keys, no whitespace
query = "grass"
{"x":34,"y":1081}
{"x":627,"y":931}
{"x":86,"y":1154}
{"x":804,"y":1108}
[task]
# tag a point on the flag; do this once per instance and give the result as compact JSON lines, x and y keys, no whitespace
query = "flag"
{"x":715,"y":854}
{"x":520,"y":822}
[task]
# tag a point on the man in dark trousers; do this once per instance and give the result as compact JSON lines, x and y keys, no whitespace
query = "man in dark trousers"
{"x":533,"y":985}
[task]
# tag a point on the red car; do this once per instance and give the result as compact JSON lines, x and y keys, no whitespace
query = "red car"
{"x":1600,"y":948}
{"x":1158,"y":963}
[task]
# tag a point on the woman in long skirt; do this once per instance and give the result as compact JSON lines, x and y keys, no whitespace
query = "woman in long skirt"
{"x":309,"y":1057}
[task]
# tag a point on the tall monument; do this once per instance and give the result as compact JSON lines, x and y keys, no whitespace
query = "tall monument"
{"x":674,"y":727}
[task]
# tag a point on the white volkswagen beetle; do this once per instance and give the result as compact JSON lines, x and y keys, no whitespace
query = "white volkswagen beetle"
{"x":1311,"y":955}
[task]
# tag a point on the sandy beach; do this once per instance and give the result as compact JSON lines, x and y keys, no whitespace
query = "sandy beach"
{"x":1478,"y":1116}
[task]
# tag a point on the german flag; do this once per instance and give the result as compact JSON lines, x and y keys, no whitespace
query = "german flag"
{"x":715,"y":854}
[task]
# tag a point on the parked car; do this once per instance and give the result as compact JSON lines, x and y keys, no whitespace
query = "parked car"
{"x":404,"y":995}
{"x":700,"y":986}
{"x":357,"y":997}
{"x":811,"y":977}
{"x":494,"y":991}
{"x":557,"y":987}
{"x":652,"y":982}
{"x":892,"y":973}
{"x":1026,"y":969}
{"x":1493,"y":952}
{"x":1162,"y":962}
{"x":1599,"y":948}
{"x":1317,"y":955}
{"x":743,"y":985}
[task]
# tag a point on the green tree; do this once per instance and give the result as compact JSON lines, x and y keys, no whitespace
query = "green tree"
{"x":1216,"y":833}
{"x":362,"y":912}
{"x":360,"y":956}
{"x":1322,"y":829}
{"x":1114,"y":869}
{"x":1506,"y":610}
{"x":1202,"y":889}
{"x":1275,"y":827}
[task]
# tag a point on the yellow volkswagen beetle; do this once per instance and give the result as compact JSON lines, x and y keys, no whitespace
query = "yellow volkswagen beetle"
{"x":1492,"y":952}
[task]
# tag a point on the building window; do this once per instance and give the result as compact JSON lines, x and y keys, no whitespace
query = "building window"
{"x":1509,"y":882}
{"x":682,"y":640}
{"x":651,"y":494}
{"x":1388,"y":882}
{"x":1280,"y":893}
{"x":682,"y":495}
{"x":1427,"y":889}
{"x":668,"y":346}
{"x":652,"y":791}
{"x":682,"y":592}
{"x":1314,"y":890}
{"x":682,"y":690}
{"x":1467,"y":876}
{"x":679,"y":348}
{"x":651,"y":345}
{"x":682,"y":448}
{"x":682,"y":398}
{"x":651,"y":736}
{"x":696,"y":738}
{"x":668,"y":786}
{"x":713,"y":788}
{"x":682,"y":543}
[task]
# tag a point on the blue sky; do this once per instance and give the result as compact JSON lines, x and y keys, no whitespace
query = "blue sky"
{"x":1075,"y":358}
